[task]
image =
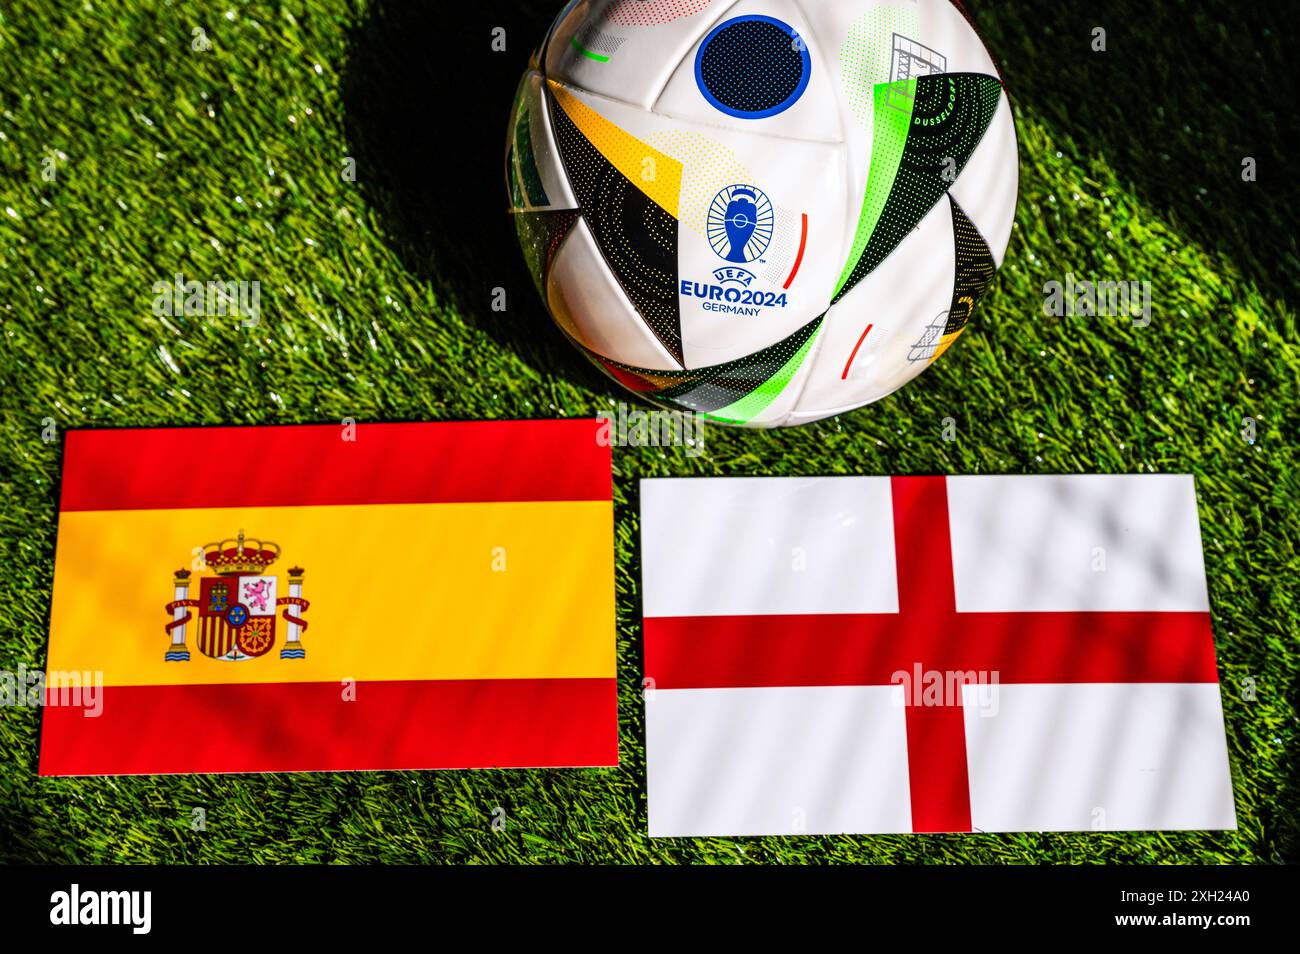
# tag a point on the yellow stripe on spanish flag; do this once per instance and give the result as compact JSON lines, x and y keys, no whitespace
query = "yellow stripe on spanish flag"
{"x":297,"y":598}
{"x":410,"y":591}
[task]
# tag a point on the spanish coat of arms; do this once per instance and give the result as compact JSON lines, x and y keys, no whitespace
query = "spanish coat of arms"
{"x":237,"y":604}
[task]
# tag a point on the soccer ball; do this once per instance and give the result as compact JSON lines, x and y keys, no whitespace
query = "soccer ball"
{"x":767,"y":212}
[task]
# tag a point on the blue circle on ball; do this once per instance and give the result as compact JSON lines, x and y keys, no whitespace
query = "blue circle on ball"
{"x":753,"y":67}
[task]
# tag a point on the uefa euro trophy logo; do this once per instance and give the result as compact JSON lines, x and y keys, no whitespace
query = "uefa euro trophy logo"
{"x":740,"y":223}
{"x":742,"y":219}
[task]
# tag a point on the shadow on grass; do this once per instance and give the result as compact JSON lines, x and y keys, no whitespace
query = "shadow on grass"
{"x":427,"y":105}
{"x":1182,"y":94}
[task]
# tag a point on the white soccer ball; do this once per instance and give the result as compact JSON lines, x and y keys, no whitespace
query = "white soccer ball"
{"x":769,"y":211}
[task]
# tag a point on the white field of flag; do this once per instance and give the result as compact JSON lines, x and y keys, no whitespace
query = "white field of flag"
{"x":872,"y":654}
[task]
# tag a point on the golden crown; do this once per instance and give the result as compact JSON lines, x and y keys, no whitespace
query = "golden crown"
{"x":240,"y":554}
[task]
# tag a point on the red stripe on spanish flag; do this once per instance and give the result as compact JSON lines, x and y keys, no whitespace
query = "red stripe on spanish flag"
{"x":315,"y":727}
{"x":311,"y":598}
{"x":312,"y":465}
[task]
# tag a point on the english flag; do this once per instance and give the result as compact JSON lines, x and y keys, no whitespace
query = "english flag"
{"x":299,"y":598}
{"x":929,"y":654}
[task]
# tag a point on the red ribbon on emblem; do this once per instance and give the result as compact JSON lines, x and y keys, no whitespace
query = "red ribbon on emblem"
{"x":294,"y":601}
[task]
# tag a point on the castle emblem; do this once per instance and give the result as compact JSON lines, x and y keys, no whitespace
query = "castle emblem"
{"x":237,"y":604}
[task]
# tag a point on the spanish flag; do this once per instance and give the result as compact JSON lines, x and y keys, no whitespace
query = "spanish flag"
{"x":322,"y":598}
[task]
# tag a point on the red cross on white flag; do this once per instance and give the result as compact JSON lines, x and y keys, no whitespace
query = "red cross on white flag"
{"x":866,"y":654}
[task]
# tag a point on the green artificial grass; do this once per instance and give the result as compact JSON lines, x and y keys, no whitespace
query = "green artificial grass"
{"x":377,"y":296}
